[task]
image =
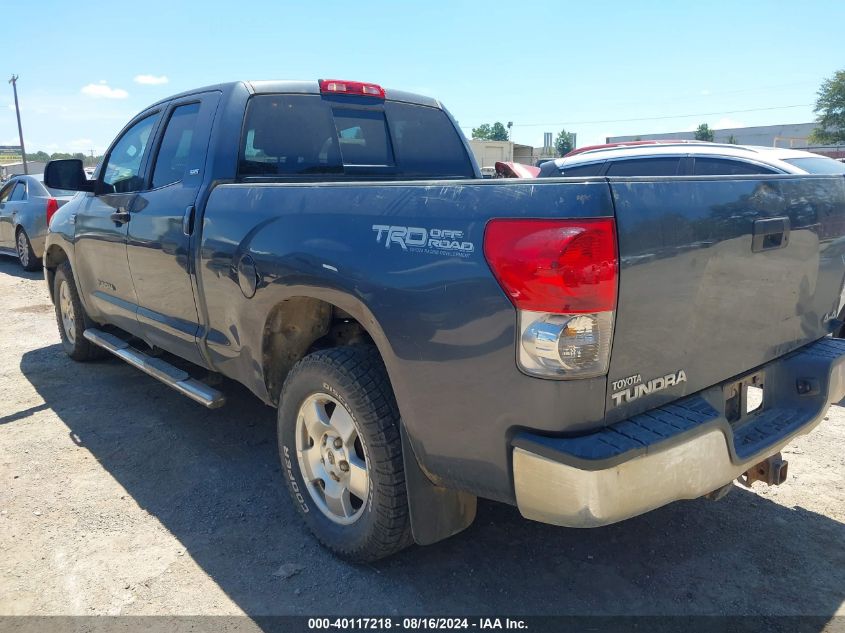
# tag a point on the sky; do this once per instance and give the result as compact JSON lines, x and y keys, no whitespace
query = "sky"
{"x":594,"y":68}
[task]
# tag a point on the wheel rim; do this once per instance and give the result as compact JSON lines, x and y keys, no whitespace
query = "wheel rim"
{"x":332,"y":458}
{"x":66,"y":310}
{"x":23,"y":249}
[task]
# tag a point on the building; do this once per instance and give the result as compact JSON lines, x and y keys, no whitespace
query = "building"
{"x":791,"y":135}
{"x":488,"y":153}
{"x":13,"y":169}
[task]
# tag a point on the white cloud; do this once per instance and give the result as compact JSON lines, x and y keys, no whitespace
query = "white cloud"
{"x":151,"y":80}
{"x":726,"y":123}
{"x":103,"y":91}
{"x":705,"y":92}
{"x":80,"y":144}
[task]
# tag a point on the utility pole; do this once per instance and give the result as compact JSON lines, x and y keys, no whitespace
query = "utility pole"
{"x":14,"y":82}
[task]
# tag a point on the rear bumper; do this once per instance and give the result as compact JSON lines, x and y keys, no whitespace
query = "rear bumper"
{"x":682,"y":450}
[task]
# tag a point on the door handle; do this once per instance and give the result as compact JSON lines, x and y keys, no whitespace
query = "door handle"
{"x":120,"y":217}
{"x":188,"y":220}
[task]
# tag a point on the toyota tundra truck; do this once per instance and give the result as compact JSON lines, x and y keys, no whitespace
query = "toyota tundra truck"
{"x":587,"y":349}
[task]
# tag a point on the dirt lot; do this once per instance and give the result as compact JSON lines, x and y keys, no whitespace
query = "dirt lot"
{"x":119,"y":496}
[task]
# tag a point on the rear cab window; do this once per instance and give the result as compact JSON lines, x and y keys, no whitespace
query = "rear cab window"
{"x":305,"y":137}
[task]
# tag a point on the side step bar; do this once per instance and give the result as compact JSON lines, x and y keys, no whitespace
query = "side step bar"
{"x":172,"y":376}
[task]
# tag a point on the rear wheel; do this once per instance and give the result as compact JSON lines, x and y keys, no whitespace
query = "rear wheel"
{"x":341,"y":452}
{"x":25,"y":253}
{"x":71,"y":317}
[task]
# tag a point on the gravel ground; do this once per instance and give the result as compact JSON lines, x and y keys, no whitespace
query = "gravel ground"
{"x":119,"y":496}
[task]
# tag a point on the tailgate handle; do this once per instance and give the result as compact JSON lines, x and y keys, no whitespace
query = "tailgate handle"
{"x":769,"y":234}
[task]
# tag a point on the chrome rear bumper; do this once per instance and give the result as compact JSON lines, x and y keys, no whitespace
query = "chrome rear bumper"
{"x":682,"y":450}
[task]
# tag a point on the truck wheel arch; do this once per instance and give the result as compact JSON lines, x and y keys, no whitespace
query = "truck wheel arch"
{"x":298,"y":325}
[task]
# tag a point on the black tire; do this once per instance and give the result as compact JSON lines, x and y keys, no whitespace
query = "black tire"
{"x":76,"y":345}
{"x":356,"y":378}
{"x":26,"y":256}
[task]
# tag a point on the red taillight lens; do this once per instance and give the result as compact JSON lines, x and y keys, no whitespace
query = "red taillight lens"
{"x":52,"y":207}
{"x":339,"y":86}
{"x":558,"y":266}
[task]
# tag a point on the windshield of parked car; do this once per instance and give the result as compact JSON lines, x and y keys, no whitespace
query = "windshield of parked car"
{"x":817,"y":165}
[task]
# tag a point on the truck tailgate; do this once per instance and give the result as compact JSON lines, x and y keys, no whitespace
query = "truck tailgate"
{"x":718,"y":276}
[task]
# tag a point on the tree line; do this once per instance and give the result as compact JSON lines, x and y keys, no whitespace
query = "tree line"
{"x":43,"y":157}
{"x":564,"y":143}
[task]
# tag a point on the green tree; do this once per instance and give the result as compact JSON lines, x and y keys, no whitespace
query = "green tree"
{"x":41,"y":157}
{"x":732,"y":140}
{"x":564,"y":143}
{"x":482,"y":132}
{"x":704,"y":133}
{"x":487,"y":132}
{"x":830,"y":110}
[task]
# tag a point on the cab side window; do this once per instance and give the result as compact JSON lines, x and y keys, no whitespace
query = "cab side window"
{"x":664,"y":166}
{"x":19,"y":193}
{"x":590,"y":169}
{"x":123,"y":171}
{"x":176,"y":144}
{"x":726,"y":167}
{"x":6,"y":192}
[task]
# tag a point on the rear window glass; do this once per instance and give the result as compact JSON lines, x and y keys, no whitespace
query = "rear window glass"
{"x":60,"y":192}
{"x":725,"y":167}
{"x":36,"y":187}
{"x":667,"y":166}
{"x":427,"y":144}
{"x":362,"y":136}
{"x":307,"y":135}
{"x":818,"y":165}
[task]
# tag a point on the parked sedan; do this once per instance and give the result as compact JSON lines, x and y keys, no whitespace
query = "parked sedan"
{"x":26,"y":206}
{"x":687,"y":158}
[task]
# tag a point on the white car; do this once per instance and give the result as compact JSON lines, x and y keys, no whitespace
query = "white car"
{"x":686,"y":158}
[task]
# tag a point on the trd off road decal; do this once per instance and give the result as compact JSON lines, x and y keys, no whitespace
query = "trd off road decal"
{"x":630,"y":388}
{"x":416,"y":239}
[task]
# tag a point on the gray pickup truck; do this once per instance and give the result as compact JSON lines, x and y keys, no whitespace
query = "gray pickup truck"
{"x":587,"y":349}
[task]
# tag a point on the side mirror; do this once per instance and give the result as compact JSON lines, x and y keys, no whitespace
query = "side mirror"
{"x":67,"y":174}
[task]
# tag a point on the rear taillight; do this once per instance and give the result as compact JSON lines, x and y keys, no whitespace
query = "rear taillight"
{"x":562,"y":276}
{"x":339,"y":86}
{"x":52,"y":207}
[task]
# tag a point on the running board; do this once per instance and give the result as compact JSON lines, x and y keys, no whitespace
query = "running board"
{"x":159,"y":369}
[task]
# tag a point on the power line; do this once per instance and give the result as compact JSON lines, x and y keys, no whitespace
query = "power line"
{"x":655,"y":118}
{"x":706,"y":94}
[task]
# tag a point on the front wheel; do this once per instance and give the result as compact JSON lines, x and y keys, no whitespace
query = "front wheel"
{"x":26,"y":255}
{"x":342,"y":455}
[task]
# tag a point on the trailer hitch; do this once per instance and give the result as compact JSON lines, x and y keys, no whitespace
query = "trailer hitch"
{"x":771,"y":471}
